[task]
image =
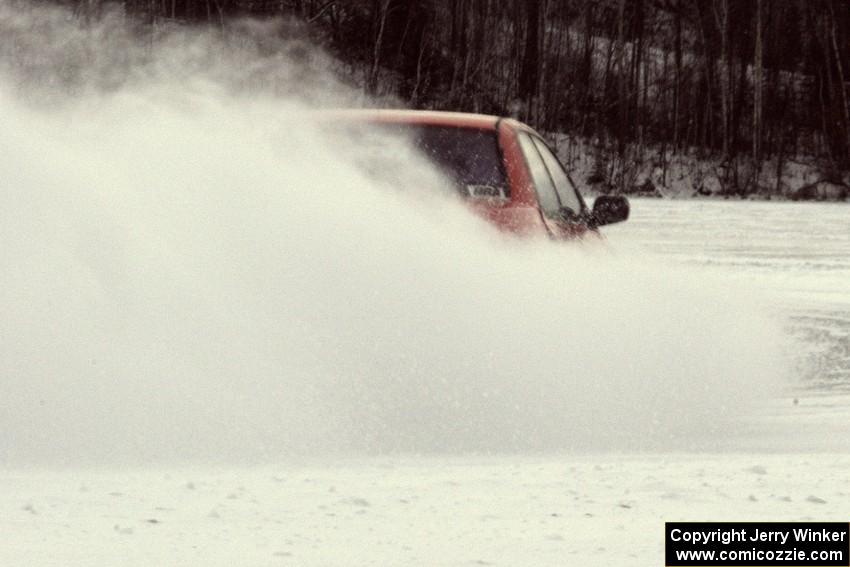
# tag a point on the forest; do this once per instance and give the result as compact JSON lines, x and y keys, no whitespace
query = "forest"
{"x":729,"y":97}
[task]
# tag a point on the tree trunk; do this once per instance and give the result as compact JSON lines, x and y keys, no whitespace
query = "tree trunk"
{"x":382,"y":7}
{"x":842,"y":85}
{"x":758,"y":87}
{"x":529,"y":74}
{"x":677,"y":91}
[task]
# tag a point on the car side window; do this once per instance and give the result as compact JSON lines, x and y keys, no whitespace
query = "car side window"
{"x":566,"y":190}
{"x":546,"y":194}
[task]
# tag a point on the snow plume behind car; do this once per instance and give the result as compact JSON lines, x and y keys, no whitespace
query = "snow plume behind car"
{"x":192,"y":270}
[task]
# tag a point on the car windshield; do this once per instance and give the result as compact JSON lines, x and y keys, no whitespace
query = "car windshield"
{"x":468,"y":158}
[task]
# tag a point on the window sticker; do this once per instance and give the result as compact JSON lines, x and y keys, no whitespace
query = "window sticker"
{"x":486,"y":192}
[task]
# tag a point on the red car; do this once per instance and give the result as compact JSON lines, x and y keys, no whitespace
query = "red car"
{"x":502,"y":168}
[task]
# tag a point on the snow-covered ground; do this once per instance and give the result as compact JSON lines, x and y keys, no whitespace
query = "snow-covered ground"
{"x":553,"y":511}
{"x":789,"y":461}
{"x":798,"y":256}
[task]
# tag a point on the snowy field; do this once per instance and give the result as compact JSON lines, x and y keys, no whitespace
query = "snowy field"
{"x":567,"y":510}
{"x":798,"y":256}
{"x":788,"y":461}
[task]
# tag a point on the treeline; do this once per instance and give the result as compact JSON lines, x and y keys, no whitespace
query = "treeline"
{"x":740,"y":81}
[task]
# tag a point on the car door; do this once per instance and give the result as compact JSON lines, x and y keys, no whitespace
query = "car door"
{"x":574,"y":214}
{"x":561,"y":206}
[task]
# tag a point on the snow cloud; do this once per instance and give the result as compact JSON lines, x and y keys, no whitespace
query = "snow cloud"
{"x":194,"y":270}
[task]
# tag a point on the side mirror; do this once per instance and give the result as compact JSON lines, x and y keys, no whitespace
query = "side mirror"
{"x":608,"y":209}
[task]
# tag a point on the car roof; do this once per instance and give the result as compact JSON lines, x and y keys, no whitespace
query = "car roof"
{"x":419,"y":117}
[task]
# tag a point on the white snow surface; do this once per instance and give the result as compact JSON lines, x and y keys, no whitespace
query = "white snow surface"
{"x":798,"y":256}
{"x":552,"y":511}
{"x":786,"y":462}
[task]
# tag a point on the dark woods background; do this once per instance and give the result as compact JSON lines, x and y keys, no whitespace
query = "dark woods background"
{"x":756,"y":88}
